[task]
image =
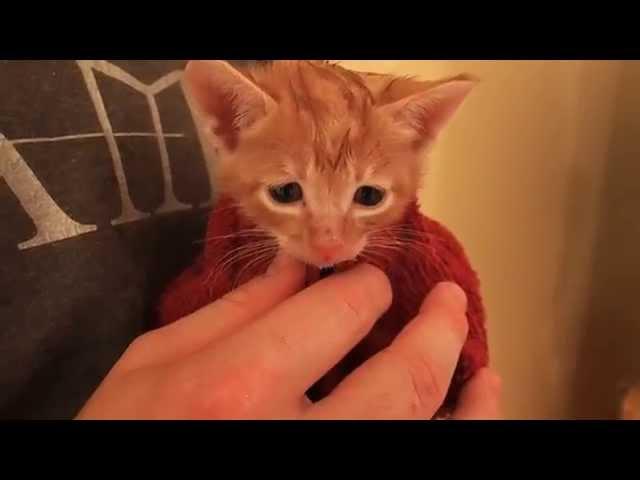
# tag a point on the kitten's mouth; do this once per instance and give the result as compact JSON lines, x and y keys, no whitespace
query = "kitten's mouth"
{"x":319,"y":272}
{"x":327,"y":270}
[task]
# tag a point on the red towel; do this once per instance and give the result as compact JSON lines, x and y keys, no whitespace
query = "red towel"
{"x":431,"y":255}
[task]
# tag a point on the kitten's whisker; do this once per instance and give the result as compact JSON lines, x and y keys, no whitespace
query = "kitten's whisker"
{"x":243,"y":231}
{"x":383,"y":250}
{"x":231,"y":253}
{"x":244,"y":253}
{"x":398,"y":241}
{"x":405,"y":226}
{"x":266,"y":255}
{"x":232,"y":261}
{"x":410,"y":243}
{"x":376,"y":257}
{"x":257,"y":233}
{"x":237,"y":254}
{"x":249,"y":231}
{"x":367,"y":257}
{"x":249,"y":245}
{"x":398,"y":247}
{"x":392,"y":232}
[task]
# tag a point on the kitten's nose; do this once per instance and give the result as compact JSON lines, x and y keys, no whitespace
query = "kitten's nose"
{"x":328,"y":251}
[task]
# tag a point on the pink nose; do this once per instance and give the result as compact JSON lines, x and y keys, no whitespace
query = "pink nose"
{"x":328,"y":252}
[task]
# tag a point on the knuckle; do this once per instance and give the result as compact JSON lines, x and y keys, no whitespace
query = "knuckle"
{"x":140,"y":346}
{"x":138,"y":343}
{"x":138,"y":353}
{"x":426,"y":387}
{"x":143,"y":348}
{"x":145,"y":339}
{"x":222,"y":397}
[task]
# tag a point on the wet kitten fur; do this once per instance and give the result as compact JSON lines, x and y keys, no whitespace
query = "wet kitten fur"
{"x":329,"y":129}
{"x":333,"y":131}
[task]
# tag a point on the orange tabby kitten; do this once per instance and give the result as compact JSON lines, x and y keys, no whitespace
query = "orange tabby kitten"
{"x":325,"y":164}
{"x":316,"y":154}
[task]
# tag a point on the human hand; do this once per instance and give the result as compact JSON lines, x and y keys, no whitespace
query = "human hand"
{"x":255,"y":352}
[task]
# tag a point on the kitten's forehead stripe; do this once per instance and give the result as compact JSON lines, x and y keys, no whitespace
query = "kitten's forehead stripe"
{"x":307,"y":85}
{"x":331,"y":103}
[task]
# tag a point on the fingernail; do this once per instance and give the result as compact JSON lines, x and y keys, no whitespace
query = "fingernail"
{"x":453,"y":293}
{"x":374,"y":281}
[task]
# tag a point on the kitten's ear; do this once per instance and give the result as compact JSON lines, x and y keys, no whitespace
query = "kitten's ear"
{"x":424,"y":114}
{"x":226,"y":100}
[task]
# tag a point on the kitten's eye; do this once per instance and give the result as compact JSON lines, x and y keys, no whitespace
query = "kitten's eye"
{"x":287,"y":193}
{"x":368,"y":196}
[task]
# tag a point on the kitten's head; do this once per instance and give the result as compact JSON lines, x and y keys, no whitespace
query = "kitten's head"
{"x":317,"y":155}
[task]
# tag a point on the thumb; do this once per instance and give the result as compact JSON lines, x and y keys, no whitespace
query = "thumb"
{"x":480,"y":398}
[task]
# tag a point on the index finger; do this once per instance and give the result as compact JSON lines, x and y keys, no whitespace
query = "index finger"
{"x":229,"y":313}
{"x":302,"y":338}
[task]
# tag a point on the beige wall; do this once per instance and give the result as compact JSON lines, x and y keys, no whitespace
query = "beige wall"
{"x":521,"y":176}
